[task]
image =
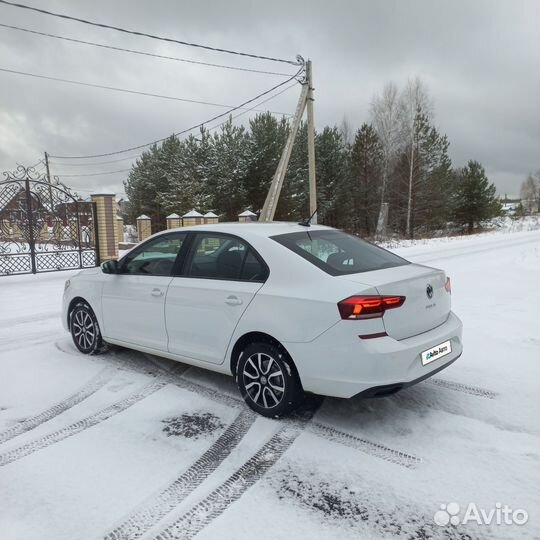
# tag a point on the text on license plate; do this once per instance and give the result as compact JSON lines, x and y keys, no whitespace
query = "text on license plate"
{"x":437,"y":352}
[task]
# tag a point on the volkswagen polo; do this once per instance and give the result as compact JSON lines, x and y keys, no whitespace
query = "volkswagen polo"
{"x":285,"y":308}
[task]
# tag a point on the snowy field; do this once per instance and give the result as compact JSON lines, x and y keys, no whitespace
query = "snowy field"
{"x":126,"y":445}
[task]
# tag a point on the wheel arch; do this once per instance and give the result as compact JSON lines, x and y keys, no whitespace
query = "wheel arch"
{"x":252,"y":337}
{"x":74,"y":301}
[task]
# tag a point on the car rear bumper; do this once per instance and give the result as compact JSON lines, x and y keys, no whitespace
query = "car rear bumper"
{"x":389,"y":389}
{"x":339,"y":363}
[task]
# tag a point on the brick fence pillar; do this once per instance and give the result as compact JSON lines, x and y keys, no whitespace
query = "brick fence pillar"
{"x":174,"y":221}
{"x":144,"y":227}
{"x":106,"y":225}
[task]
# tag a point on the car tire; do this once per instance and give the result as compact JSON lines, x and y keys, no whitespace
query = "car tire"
{"x":268,"y":381}
{"x":85,"y":330}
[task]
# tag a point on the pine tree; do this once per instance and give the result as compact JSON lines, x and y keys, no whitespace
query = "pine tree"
{"x":228,"y":171}
{"x":265,"y":143}
{"x":474,"y":198}
{"x":366,"y":181}
{"x":422,"y":186}
{"x":433,"y":183}
{"x":145,"y":182}
{"x":294,"y":200}
{"x":332,"y":176}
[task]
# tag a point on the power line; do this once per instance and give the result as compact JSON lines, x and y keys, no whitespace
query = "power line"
{"x":92,"y":163}
{"x":38,"y":164}
{"x":187,"y":130}
{"x":253,"y":108}
{"x":92,"y":174}
{"x":117,"y":89}
{"x":87,"y":164}
{"x":152,"y":36}
{"x":143,"y":53}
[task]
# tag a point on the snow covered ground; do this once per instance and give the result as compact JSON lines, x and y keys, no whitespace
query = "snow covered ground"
{"x":126,"y":445}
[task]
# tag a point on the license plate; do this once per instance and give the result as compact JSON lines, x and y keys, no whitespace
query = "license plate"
{"x":437,"y":352}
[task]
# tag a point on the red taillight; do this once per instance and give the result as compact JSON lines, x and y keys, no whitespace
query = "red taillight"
{"x":368,"y":307}
{"x":448,"y":285}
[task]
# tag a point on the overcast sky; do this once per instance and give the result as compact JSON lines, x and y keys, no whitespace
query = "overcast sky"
{"x":479,"y":58}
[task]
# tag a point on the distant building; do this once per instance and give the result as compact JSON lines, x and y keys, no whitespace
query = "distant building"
{"x":509,"y":208}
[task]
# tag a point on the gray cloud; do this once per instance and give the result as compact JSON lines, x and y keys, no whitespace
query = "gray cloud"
{"x":480,"y":60}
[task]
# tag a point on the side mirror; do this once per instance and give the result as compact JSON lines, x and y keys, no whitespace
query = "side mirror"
{"x":110,"y":267}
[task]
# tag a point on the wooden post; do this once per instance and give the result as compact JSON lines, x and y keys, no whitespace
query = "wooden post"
{"x":311,"y":146}
{"x":270,"y":204}
{"x":48,"y":172}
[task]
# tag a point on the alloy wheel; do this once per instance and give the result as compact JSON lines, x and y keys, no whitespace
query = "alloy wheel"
{"x":84,"y":329}
{"x":263,"y":380}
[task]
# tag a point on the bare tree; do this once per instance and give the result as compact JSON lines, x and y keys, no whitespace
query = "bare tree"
{"x":530,"y":192}
{"x":346,"y":131}
{"x":413,"y":101}
{"x":384,"y":114}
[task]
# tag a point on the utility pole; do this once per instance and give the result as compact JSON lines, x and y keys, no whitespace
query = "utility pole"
{"x":47,"y":167}
{"x":311,"y":146}
{"x":48,"y":173}
{"x":305,"y":101}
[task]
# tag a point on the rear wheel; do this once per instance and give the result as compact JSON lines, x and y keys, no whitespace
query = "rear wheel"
{"x":85,"y":330}
{"x":267,"y":380}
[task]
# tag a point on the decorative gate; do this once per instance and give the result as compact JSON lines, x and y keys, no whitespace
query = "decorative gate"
{"x":44,"y":226}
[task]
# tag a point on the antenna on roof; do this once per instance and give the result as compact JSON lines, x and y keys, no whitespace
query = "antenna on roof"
{"x":307,"y":222}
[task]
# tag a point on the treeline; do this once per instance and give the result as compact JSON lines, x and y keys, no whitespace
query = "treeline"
{"x":397,"y":161}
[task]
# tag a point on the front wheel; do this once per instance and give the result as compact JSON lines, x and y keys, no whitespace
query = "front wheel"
{"x":85,"y":330}
{"x":267,"y":380}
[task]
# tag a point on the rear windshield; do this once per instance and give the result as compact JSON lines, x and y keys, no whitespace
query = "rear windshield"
{"x":339,"y":253}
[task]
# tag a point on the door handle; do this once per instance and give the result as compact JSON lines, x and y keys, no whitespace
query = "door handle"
{"x":233,"y":301}
{"x":157,"y":292}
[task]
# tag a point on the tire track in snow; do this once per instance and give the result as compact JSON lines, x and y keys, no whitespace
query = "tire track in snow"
{"x":454,"y":251}
{"x":141,"y":363}
{"x":27,"y":340}
{"x":92,"y":386}
{"x":81,"y":425}
{"x":464,"y":388}
{"x":148,"y":514}
{"x":28,"y":319}
{"x":364,"y":445}
{"x":205,"y":511}
{"x":329,"y":433}
{"x":360,"y":507}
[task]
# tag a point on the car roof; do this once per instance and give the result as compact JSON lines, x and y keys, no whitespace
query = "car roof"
{"x":264,"y":229}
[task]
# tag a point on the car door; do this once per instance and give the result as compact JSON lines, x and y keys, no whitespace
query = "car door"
{"x":133,"y":300}
{"x":221,"y":276}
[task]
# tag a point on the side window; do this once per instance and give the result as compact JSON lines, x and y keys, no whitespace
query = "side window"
{"x":156,"y":257}
{"x":253,"y":269}
{"x":223,"y":257}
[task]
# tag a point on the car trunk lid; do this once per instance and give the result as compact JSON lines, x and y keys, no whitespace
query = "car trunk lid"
{"x":427,"y":303}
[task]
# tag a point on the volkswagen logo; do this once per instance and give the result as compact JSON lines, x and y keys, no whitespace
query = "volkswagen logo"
{"x":429,"y":291}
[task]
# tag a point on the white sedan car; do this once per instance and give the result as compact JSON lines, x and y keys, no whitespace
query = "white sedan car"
{"x":285,"y":308}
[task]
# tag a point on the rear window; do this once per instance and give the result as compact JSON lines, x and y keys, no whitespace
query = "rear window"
{"x":338,"y":253}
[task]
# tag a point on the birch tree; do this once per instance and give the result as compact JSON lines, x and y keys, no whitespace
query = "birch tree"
{"x":414,"y":102}
{"x":385,"y":118}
